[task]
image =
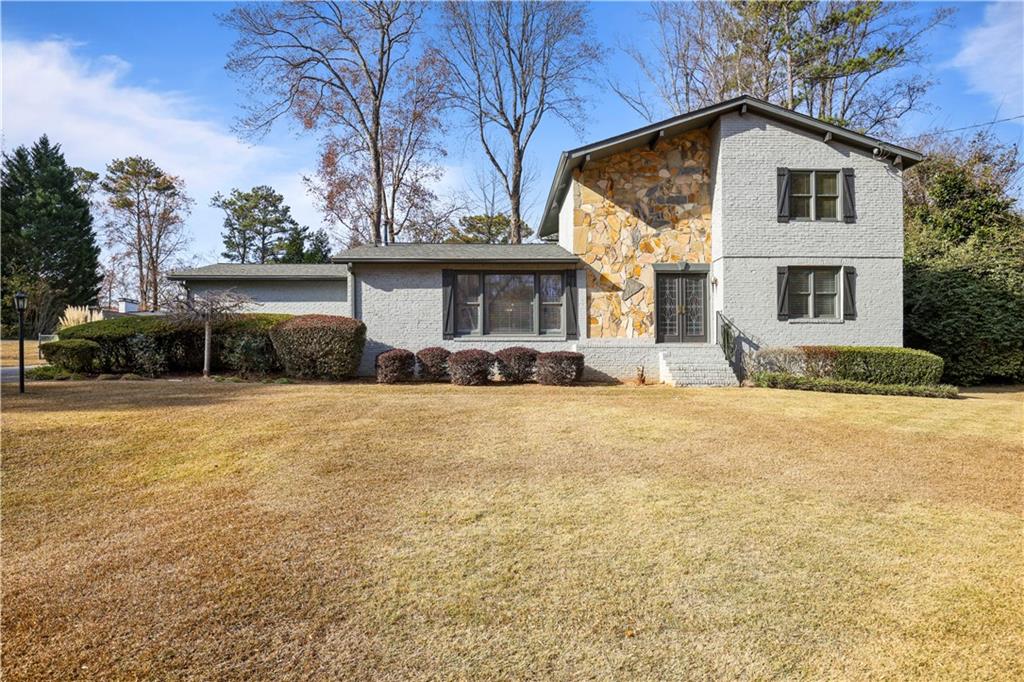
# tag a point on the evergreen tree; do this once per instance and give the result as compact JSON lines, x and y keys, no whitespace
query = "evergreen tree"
{"x":301,"y":245}
{"x":255,"y":222}
{"x":49,"y":244}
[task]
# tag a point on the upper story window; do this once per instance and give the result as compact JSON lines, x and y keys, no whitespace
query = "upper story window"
{"x":819,"y":195}
{"x":814,"y":195}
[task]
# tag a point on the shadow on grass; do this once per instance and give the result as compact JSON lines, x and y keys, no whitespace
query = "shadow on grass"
{"x":93,"y":395}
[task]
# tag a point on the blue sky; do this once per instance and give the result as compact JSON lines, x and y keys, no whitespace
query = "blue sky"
{"x":112,"y":79}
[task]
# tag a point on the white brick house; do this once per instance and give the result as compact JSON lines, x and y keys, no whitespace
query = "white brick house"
{"x":738,"y":219}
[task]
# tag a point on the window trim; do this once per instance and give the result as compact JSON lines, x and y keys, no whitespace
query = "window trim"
{"x":536,"y":331}
{"x":814,"y":195}
{"x":812,"y":293}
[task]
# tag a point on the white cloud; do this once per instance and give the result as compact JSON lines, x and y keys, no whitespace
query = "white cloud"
{"x":992,"y":56}
{"x":88,"y":108}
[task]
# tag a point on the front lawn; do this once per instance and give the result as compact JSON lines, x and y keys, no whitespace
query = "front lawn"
{"x":353,"y":531}
{"x":9,"y":353}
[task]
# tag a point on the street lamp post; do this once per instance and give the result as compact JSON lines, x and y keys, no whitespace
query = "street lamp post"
{"x":20,"y":302}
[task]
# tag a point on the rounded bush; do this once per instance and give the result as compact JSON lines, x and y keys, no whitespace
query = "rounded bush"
{"x":319,"y":346}
{"x":72,"y":355}
{"x":516,"y":364}
{"x":470,"y":367}
{"x":395,"y":365}
{"x":561,"y":368}
{"x":433,"y":363}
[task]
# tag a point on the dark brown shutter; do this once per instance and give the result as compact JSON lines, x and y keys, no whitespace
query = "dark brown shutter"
{"x":572,"y":325}
{"x":849,"y":197}
{"x":448,"y":302}
{"x":849,"y":293}
{"x":782,"y":186}
{"x":782,"y":278}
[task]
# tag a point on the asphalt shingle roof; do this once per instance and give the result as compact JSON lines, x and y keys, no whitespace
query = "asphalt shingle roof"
{"x":265,"y":271}
{"x":447,"y":253}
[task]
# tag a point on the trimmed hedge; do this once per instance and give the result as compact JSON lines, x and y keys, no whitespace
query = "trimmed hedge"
{"x":560,"y":368}
{"x":178,"y":346}
{"x":516,"y":364}
{"x":72,"y":355}
{"x":871,"y":364}
{"x":470,"y":367}
{"x":396,"y":365}
{"x":319,"y":346}
{"x":877,"y":364}
{"x":826,"y":385}
{"x":433,"y":363}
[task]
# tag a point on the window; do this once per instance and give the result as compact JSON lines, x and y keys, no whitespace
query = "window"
{"x":814,"y":195}
{"x":813,"y":292}
{"x":510,"y":303}
{"x":552,"y":290}
{"x":467,"y":311}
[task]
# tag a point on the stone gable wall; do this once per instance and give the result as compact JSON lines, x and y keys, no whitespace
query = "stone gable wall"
{"x":633,"y":210}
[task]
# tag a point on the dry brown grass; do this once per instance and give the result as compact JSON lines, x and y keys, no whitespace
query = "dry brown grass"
{"x":200,"y":530}
{"x":9,"y":353}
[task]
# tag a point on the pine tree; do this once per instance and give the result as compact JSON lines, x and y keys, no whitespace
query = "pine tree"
{"x":255,"y":222}
{"x":486,"y":229}
{"x":302,"y":246}
{"x":49,"y":244}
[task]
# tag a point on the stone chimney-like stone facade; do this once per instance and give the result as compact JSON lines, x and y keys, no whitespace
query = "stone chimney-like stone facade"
{"x":633,"y":210}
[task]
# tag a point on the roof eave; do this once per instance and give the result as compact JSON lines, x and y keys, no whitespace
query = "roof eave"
{"x":184,"y":276}
{"x":549,"y":220}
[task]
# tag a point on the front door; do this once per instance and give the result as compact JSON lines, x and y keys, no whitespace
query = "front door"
{"x":682,"y":308}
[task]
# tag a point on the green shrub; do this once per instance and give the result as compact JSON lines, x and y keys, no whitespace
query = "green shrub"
{"x":249,"y":354}
{"x":181,"y":342}
{"x":73,"y":355}
{"x":113,"y":336}
{"x":49,"y":373}
{"x":319,"y":346}
{"x":875,"y":364}
{"x":806,"y":383}
{"x":148,"y":355}
{"x":967,"y":306}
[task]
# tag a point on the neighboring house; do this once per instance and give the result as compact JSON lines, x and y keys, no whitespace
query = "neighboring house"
{"x":742,"y":218}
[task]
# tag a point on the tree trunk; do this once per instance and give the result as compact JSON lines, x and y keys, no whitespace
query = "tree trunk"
{"x":515,"y":199}
{"x":207,"y":346}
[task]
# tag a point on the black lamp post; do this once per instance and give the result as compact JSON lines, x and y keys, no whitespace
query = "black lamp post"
{"x":21,"y":302}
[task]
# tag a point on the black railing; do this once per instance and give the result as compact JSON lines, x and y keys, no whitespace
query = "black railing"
{"x":735,"y":344}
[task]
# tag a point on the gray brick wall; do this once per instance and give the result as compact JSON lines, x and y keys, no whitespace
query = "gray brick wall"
{"x":298,"y":297}
{"x":753,"y":243}
{"x":752,"y":148}
{"x":402,"y":308}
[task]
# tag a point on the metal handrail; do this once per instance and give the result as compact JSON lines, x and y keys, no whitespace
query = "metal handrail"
{"x":728,"y":336}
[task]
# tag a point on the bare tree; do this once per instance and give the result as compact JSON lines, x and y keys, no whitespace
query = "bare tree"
{"x":145,"y":220}
{"x":410,"y":155}
{"x":208,"y":308}
{"x":509,"y":65}
{"x":340,"y":67}
{"x":844,"y":61}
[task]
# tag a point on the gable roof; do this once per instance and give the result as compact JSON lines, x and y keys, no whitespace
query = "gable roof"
{"x":255,"y":271}
{"x":700,"y":118}
{"x":456,"y":253}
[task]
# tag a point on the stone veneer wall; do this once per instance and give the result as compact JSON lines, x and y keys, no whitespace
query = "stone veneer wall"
{"x":632,"y":210}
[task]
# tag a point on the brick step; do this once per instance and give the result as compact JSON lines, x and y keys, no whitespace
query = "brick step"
{"x":696,"y":366}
